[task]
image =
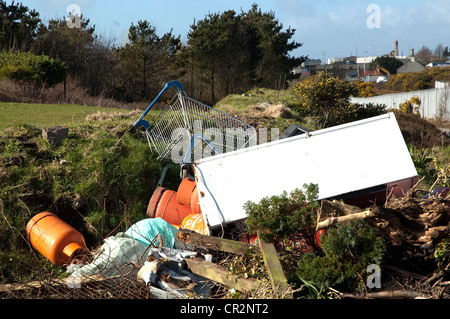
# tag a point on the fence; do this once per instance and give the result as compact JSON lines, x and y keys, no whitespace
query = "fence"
{"x":435,"y":103}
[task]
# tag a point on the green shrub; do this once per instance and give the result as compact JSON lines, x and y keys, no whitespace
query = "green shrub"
{"x":284,"y":217}
{"x":347,"y":251}
{"x":25,"y":66}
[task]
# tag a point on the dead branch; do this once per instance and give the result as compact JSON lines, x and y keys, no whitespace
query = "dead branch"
{"x":395,"y":294}
{"x":403,"y":220}
{"x":342,"y":219}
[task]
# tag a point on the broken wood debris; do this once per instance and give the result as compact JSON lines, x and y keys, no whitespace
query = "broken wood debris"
{"x":274,"y":269}
{"x":403,"y":220}
{"x":213,"y":243}
{"x":219,"y":274}
{"x":396,"y":294}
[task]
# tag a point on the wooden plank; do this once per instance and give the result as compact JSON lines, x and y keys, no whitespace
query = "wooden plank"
{"x":214,"y":243}
{"x":274,"y":268}
{"x":219,"y":274}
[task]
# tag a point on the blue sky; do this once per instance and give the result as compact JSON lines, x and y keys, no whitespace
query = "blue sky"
{"x":327,"y":28}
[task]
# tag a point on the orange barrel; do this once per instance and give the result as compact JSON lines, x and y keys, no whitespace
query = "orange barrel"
{"x":185,"y":190}
{"x":195,"y":223}
{"x":54,"y":239}
{"x":154,"y":200}
{"x":195,"y":202}
{"x":170,"y":210}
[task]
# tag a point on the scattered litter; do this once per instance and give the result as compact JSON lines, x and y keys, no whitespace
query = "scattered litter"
{"x":119,"y":255}
{"x":165,"y":268}
{"x":147,"y":230}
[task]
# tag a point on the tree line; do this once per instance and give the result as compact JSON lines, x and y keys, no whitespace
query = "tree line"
{"x":227,"y":52}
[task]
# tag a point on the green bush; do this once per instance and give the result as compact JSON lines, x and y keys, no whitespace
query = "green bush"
{"x":25,"y":66}
{"x":347,"y":251}
{"x":284,"y":217}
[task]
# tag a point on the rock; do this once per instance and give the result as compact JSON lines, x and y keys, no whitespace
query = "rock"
{"x":55,"y":134}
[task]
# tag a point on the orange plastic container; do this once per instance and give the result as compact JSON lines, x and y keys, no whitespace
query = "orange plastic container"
{"x":170,"y":210}
{"x":154,"y":200}
{"x":185,"y":190}
{"x":195,"y":202}
{"x":54,"y":238}
{"x":195,"y":223}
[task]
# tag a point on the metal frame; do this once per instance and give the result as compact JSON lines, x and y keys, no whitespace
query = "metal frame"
{"x":184,"y":122}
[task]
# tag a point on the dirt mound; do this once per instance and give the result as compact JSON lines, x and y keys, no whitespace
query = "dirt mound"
{"x":266,"y":109}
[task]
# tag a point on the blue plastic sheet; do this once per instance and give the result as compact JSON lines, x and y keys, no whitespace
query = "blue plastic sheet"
{"x":147,"y":230}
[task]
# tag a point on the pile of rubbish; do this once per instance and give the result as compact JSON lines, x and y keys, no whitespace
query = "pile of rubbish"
{"x":152,"y":251}
{"x":171,"y":262}
{"x":170,"y":253}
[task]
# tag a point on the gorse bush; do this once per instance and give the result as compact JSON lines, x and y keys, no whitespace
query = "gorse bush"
{"x":411,"y":106}
{"x":25,"y":66}
{"x":328,"y":98}
{"x":365,"y":89}
{"x":414,"y":81}
{"x":325,"y":96}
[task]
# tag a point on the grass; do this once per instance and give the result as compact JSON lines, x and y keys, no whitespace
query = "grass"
{"x":42,"y":115}
{"x":266,"y":108}
{"x":242,"y":103}
{"x":99,"y":180}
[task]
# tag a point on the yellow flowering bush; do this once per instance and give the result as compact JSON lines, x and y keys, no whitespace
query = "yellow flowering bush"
{"x":365,"y":89}
{"x":411,"y":106}
{"x":325,"y":96}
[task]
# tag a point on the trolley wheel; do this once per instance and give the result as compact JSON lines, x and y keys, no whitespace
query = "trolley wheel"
{"x":184,"y":171}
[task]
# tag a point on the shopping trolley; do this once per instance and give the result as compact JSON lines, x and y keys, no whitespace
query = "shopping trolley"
{"x":186,"y":130}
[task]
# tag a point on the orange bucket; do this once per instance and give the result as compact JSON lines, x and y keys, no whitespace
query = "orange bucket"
{"x":54,"y":239}
{"x":195,"y":223}
{"x":170,"y":210}
{"x":185,"y":190}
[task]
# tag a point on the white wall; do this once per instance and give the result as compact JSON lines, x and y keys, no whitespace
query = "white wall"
{"x":432,"y":100}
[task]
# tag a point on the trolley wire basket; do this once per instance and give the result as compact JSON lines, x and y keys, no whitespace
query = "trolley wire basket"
{"x":186,"y":130}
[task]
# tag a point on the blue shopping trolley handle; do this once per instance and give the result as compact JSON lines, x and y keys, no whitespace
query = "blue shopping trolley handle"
{"x":168,"y":85}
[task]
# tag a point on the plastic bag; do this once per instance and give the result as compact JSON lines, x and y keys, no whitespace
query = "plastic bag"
{"x":118,"y":255}
{"x":147,"y":230}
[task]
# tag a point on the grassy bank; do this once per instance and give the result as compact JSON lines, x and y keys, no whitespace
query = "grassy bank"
{"x":99,"y":180}
{"x":41,"y":115}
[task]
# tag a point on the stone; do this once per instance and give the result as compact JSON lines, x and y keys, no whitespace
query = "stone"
{"x":55,"y":134}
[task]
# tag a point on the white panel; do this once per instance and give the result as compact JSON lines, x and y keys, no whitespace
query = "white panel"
{"x":340,"y":159}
